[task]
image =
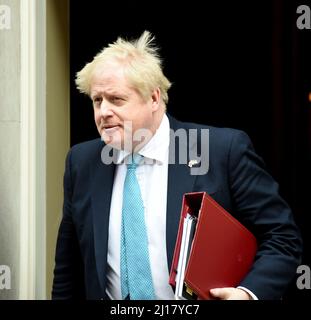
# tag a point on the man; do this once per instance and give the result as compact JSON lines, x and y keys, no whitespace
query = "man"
{"x":98,"y":255}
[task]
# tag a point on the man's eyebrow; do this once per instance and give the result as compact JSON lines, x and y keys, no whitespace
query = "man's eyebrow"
{"x":94,"y":93}
{"x":112,"y":92}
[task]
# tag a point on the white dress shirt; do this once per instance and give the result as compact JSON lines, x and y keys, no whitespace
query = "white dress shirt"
{"x":152,"y":179}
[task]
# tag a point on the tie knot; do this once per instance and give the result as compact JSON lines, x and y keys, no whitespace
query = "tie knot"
{"x":134,"y":161}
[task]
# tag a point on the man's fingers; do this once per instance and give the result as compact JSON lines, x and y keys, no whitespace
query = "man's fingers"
{"x":221,"y":293}
{"x":230,"y":294}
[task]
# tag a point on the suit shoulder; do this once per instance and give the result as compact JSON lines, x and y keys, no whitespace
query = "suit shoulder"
{"x":225,"y":140}
{"x":228,"y":133}
{"x":86,"y":145}
{"x":219,"y":131}
{"x":219,"y":134}
{"x":221,"y":139}
{"x":86,"y":149}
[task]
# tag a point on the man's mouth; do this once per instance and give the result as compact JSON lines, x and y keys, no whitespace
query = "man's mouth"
{"x":110,"y":129}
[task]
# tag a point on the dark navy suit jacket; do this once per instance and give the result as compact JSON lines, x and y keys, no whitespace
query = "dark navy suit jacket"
{"x":236,"y":179}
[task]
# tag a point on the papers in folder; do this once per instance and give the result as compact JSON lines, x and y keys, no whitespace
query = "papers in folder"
{"x":189,"y":226}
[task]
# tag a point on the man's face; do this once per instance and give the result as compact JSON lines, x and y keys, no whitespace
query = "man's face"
{"x":119,"y":109}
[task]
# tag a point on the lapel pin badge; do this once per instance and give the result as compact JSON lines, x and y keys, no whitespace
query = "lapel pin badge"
{"x":192,"y":163}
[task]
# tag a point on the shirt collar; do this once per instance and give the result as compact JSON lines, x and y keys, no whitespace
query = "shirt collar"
{"x":157,"y":148}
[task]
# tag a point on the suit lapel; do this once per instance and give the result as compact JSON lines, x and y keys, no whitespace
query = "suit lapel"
{"x":180,"y":181}
{"x":101,"y":198}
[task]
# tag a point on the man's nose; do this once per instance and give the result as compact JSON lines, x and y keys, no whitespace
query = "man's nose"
{"x":105,"y":109}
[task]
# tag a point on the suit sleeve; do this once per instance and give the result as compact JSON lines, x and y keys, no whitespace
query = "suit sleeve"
{"x":258,"y":205}
{"x":68,"y":282}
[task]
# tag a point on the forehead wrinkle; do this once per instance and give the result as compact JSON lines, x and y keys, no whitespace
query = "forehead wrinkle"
{"x":107,"y":83}
{"x":110,"y":90}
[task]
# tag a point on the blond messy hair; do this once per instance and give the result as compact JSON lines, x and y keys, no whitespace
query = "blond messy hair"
{"x":141,"y":62}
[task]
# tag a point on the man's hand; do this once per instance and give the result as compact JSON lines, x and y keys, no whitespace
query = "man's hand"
{"x":230,"y":294}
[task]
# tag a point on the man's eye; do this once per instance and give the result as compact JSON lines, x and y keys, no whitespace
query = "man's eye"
{"x":116,"y":99}
{"x":97,"y":100}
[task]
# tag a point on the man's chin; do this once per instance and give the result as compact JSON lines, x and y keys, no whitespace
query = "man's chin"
{"x":112,"y":142}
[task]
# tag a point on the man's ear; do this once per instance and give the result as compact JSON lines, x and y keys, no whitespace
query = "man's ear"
{"x":156,"y":99}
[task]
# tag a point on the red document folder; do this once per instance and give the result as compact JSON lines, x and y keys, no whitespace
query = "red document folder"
{"x":223,"y":250}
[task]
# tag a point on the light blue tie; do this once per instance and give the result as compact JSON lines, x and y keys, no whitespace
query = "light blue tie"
{"x":136,"y":279}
